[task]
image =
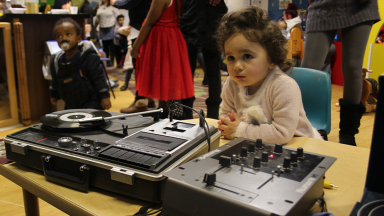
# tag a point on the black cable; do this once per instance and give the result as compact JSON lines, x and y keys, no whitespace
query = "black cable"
{"x":205,"y":128}
{"x":323,"y":204}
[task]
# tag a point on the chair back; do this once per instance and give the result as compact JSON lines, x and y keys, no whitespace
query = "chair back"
{"x":316,"y":93}
{"x":297,"y":43}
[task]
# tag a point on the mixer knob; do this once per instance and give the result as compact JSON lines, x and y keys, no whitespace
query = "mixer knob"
{"x":256,"y":162}
{"x":278,"y":148}
{"x":210,"y":178}
{"x":75,"y":146}
{"x":234,"y":158}
{"x":83,"y":141}
{"x":96,"y":144}
{"x":294,"y":157}
{"x":287,"y":163}
{"x":251,"y":147}
{"x":300,"y":153}
{"x":225,"y":161}
{"x":259,"y":143}
{"x":243,"y":152}
{"x":87,"y":148}
{"x":65,"y":142}
{"x":264,"y":157}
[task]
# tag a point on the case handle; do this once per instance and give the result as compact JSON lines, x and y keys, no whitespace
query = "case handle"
{"x":81,"y":184}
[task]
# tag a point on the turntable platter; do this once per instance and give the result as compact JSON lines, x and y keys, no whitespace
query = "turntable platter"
{"x":70,"y":118}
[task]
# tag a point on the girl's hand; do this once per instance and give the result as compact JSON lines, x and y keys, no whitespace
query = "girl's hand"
{"x":228,"y":126}
{"x":135,"y":53}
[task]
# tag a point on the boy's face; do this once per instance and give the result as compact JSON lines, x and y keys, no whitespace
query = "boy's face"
{"x":66,"y":36}
{"x":247,"y":62}
{"x":121,"y":20}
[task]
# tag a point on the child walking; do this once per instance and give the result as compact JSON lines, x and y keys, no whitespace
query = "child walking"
{"x":77,"y":75}
{"x":116,"y":39}
{"x":162,"y":68}
{"x":259,"y":99}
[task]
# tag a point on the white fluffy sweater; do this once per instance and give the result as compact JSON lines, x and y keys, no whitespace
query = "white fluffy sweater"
{"x":275,"y":113}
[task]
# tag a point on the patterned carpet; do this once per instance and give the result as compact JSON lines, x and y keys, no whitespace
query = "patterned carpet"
{"x":201,"y":92}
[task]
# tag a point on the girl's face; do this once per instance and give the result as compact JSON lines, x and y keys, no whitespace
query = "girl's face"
{"x":247,"y":62}
{"x":66,"y":36}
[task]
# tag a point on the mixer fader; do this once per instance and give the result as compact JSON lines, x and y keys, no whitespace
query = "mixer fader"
{"x":247,"y":177}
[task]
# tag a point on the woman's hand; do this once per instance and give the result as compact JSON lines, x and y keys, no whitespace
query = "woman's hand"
{"x":135,"y":53}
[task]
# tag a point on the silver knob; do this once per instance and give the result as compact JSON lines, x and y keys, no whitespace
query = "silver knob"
{"x":87,"y":148}
{"x":96,"y":144}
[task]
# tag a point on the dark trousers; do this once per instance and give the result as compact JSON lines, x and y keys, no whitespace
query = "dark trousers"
{"x":117,"y":54}
{"x":212,"y":60}
{"x":109,"y":49}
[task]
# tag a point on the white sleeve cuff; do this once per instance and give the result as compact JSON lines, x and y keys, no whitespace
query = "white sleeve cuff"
{"x":241,"y":129}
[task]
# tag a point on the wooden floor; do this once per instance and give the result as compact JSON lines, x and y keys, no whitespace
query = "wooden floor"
{"x":11,"y":201}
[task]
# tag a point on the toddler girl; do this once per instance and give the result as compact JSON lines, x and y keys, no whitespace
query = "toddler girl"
{"x":259,"y":99}
{"x":162,"y":68}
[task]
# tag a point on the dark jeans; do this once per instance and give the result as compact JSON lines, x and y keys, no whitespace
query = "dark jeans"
{"x":212,"y":60}
{"x":117,"y":54}
{"x":109,"y":49}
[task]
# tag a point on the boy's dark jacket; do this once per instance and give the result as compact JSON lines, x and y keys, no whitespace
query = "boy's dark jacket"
{"x":80,"y":83}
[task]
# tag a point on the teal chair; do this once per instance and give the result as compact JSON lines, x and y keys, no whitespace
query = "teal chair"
{"x":316,"y":92}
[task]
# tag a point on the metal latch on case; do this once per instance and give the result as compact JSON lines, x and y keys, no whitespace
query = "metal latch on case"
{"x":19,"y":148}
{"x":122,"y":175}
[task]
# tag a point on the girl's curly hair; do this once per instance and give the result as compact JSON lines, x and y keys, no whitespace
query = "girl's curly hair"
{"x":256,"y":28}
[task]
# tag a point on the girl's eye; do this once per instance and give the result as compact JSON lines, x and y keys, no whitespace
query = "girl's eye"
{"x":230,"y":58}
{"x":247,"y":56}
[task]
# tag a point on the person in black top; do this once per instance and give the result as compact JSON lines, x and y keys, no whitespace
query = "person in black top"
{"x":198,"y":23}
{"x":77,"y":75}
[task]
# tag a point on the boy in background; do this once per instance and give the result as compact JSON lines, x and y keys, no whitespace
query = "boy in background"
{"x":116,"y":40}
{"x":77,"y":75}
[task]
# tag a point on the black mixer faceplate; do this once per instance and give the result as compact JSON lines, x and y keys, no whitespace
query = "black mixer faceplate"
{"x":69,"y":119}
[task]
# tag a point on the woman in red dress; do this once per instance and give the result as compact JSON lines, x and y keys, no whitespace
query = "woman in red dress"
{"x":162,"y":68}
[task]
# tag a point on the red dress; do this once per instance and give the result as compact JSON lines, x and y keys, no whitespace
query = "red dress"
{"x":163,"y":71}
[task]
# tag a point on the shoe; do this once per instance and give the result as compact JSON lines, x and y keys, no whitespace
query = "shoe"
{"x":123,"y":88}
{"x":151,"y":103}
{"x":119,"y":66}
{"x":140,"y":106}
{"x":113,"y":81}
{"x":114,"y":84}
